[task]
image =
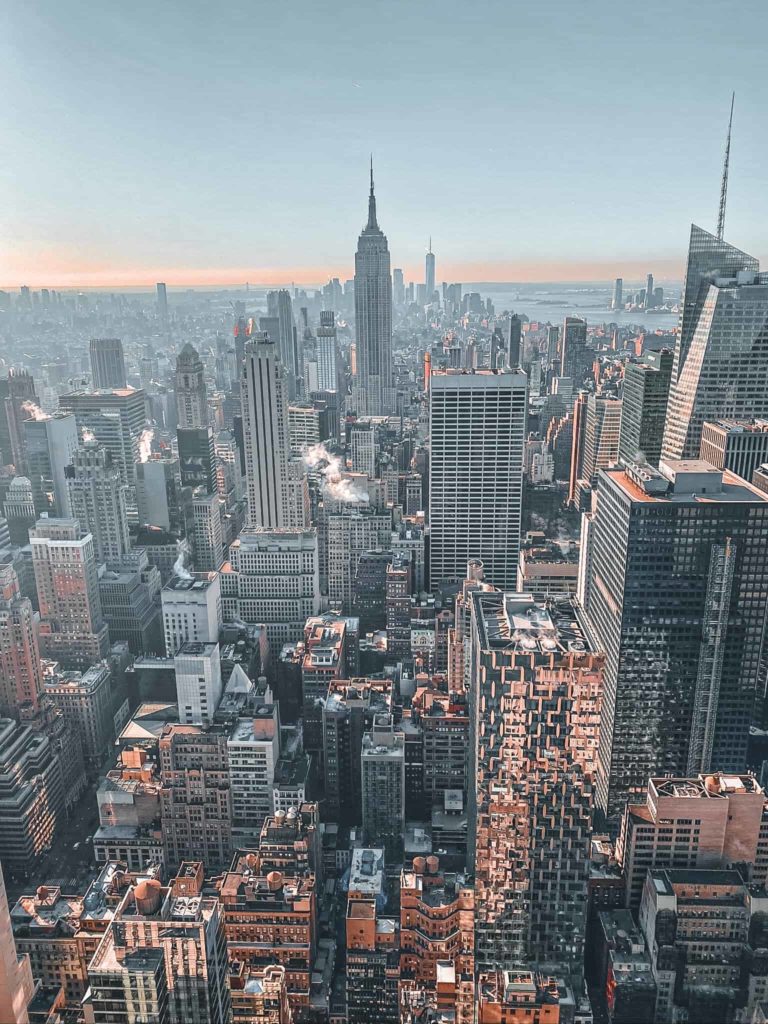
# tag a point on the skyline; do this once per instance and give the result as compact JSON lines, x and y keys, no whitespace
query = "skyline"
{"x":524,"y":169}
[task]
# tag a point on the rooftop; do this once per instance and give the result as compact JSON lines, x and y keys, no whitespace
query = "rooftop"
{"x":195,"y":582}
{"x":682,"y":481}
{"x":518,"y":622}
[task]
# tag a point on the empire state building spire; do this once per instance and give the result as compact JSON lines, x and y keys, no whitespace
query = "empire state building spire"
{"x":372,"y":224}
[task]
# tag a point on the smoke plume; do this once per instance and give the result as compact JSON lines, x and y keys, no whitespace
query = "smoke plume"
{"x":335,"y":484}
{"x":179,"y":568}
{"x":145,"y":444}
{"x":33,"y":410}
{"x":87,"y":435}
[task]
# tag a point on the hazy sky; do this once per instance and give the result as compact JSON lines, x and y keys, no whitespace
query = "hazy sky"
{"x":203,"y":141}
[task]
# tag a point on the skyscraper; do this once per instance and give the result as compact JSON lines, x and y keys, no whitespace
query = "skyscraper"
{"x":16,"y":983}
{"x":329,"y":368}
{"x":373,"y":315}
{"x":477,"y":429}
{"x":644,"y":406}
{"x":535,"y":679}
{"x":618,"y":294}
{"x":265,"y":433}
{"x":429,"y":272}
{"x":50,"y":442}
{"x":677,"y":595}
{"x":162,"y":300}
{"x":72,"y":627}
{"x":649,"y":298}
{"x":116,"y":418}
{"x":97,"y":500}
{"x":398,"y":287}
{"x":514,"y":344}
{"x":107,"y":363}
{"x":575,"y":357}
{"x":280,"y":307}
{"x":720,"y":369}
{"x":21,"y":675}
{"x":191,"y":395}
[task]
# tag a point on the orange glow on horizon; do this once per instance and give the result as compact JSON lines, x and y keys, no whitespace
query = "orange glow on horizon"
{"x":61,"y":274}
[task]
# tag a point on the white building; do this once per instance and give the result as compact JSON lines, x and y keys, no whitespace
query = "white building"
{"x":477,"y":436}
{"x":272,"y":578}
{"x":198,"y":682}
{"x":253,"y":750}
{"x":191,"y":610}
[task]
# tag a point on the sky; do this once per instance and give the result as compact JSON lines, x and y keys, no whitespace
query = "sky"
{"x":217,"y":143}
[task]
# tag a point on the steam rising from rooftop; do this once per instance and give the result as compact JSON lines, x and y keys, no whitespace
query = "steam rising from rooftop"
{"x":335,"y":484}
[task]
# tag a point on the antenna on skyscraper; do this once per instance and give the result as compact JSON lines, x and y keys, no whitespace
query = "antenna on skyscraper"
{"x":724,"y":185}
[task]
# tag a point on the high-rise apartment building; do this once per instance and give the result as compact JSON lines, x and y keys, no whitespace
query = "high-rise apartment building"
{"x":72,"y":626}
{"x":372,"y":955}
{"x":21,"y":677}
{"x":192,"y":610}
{"x":373,"y":316}
{"x":163,"y":957}
{"x":16,"y":982}
{"x":721,"y":352}
{"x":703,"y":822}
{"x":575,"y":357}
{"x":644,"y":406}
{"x":677,"y":594}
{"x":382,"y":768}
{"x":196,"y":798}
{"x":535,"y":684}
{"x":50,"y":443}
{"x":116,"y":419}
{"x":253,"y":751}
{"x":736,"y":445}
{"x":107,"y":363}
{"x":265,"y":432}
{"x":477,"y":435}
{"x":191,"y":392}
{"x":271,"y":577}
{"x":97,"y":499}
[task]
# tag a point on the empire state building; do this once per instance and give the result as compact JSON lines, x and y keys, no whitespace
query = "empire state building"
{"x":373,"y":316}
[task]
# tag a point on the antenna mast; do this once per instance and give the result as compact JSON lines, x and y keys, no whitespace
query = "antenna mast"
{"x":724,"y":185}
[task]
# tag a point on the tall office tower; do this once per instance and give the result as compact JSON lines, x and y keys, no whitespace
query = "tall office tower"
{"x":31,"y":795}
{"x":162,"y":300}
{"x":706,"y":821}
{"x":21,"y":676}
{"x":163,"y":957}
{"x":721,"y":352}
{"x":298,"y":506}
{"x":677,"y":594}
{"x":398,"y":287}
{"x":17,"y":392}
{"x":17,"y":985}
{"x":363,"y":447}
{"x":602,"y":426}
{"x":351,"y":531}
{"x":50,"y":442}
{"x":272,"y":577}
{"x":161,"y":499}
{"x":72,"y":626}
{"x":437,"y":941}
{"x":195,"y":797}
{"x":617,"y":302}
{"x":197,"y":457}
{"x":85,"y":699}
{"x":265,"y":433}
{"x":191,"y":393}
{"x":398,"y":588}
{"x":198,"y":682}
{"x":107,"y":363}
{"x":373,"y":315}
{"x":535,"y":684}
{"x":372,"y":959}
{"x":97,"y":499}
{"x":115,"y":418}
{"x":477,"y":435}
{"x":575,"y":357}
{"x":19,"y":510}
{"x":649,"y":299}
{"x":429,"y":273}
{"x":208,"y":531}
{"x":279,"y":307}
{"x":514,"y":342}
{"x":191,"y":610}
{"x":327,"y":641}
{"x":382,"y":771}
{"x":329,"y":365}
{"x":644,"y":406}
{"x":129,"y":592}
{"x":736,"y":445}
